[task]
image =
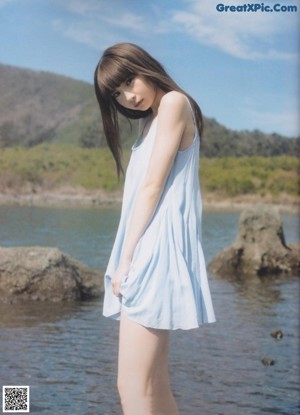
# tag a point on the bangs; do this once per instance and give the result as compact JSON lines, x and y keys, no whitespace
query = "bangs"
{"x":111,"y":74}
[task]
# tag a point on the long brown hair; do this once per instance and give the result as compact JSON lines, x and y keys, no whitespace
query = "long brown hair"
{"x":118,"y":63}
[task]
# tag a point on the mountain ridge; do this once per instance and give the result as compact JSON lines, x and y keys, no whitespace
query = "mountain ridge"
{"x":42,"y":107}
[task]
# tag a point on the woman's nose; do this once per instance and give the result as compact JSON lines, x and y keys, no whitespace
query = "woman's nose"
{"x":129,"y":96}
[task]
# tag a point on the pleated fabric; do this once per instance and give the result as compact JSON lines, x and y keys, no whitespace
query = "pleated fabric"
{"x":167,"y":285}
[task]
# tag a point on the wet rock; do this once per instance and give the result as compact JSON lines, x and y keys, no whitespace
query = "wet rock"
{"x":42,"y":274}
{"x":267,"y":362}
{"x":260,"y":248}
{"x":277,"y":334}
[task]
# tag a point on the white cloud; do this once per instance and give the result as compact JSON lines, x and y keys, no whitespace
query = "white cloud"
{"x":111,"y":12}
{"x":129,"y":21}
{"x":242,"y":35}
{"x":86,"y":32}
{"x":97,"y":24}
{"x":85,"y":8}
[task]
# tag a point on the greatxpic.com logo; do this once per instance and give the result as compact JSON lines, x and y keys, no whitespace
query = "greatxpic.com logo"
{"x":256,"y":8}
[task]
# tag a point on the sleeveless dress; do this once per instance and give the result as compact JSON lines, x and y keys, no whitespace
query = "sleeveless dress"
{"x":166,"y":286}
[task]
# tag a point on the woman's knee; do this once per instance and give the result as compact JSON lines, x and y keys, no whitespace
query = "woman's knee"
{"x":129,"y":387}
{"x":134,"y":399}
{"x":143,"y":389}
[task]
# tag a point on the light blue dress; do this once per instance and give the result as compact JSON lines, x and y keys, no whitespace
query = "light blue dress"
{"x":167,"y":286}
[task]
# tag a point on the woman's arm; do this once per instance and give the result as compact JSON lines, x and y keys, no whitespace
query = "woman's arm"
{"x":172,"y":118}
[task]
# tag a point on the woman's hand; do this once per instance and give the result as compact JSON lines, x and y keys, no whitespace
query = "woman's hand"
{"x":121,"y":271}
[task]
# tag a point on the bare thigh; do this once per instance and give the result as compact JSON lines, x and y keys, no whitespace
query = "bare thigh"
{"x":143,"y":378}
{"x":143,"y":352}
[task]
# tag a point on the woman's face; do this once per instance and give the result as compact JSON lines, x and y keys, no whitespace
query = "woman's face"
{"x":136,"y":93}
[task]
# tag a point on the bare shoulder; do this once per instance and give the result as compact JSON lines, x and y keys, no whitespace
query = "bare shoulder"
{"x":174,"y":101}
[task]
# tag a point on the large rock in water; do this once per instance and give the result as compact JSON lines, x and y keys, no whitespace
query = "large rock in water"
{"x":260,"y":248}
{"x":42,"y":273}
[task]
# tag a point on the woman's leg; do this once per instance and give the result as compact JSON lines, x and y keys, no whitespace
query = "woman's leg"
{"x":143,"y":379}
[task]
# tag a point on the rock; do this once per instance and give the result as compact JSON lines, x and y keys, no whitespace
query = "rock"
{"x":267,"y":362}
{"x":42,"y":274}
{"x":278,"y":335}
{"x":260,"y":248}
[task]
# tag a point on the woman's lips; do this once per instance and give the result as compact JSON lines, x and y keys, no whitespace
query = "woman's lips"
{"x":138,"y":104}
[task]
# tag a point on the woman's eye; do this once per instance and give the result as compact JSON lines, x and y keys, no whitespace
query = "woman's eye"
{"x":128,"y":81}
{"x":115,"y":94}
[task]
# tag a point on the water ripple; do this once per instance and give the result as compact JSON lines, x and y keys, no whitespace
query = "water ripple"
{"x":67,"y":352}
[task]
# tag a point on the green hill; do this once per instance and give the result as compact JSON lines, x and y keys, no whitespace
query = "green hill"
{"x":41,"y":107}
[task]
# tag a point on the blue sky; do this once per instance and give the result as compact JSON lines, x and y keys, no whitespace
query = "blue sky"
{"x":241,"y":67}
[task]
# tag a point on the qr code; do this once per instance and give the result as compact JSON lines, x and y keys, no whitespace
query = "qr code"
{"x":15,"y":399}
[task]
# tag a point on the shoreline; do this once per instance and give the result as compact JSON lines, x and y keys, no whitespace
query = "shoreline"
{"x":101,"y":198}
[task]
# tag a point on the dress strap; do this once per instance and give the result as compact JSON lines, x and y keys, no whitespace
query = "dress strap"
{"x":194,"y":118}
{"x":192,"y":111}
{"x":146,"y":120}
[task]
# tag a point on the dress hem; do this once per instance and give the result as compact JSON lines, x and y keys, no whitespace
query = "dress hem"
{"x":138,"y":321}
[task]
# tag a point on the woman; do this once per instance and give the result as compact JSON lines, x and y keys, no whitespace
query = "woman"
{"x":156,"y":278}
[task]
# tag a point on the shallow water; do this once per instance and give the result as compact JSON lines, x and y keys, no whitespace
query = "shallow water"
{"x":67,"y":352}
